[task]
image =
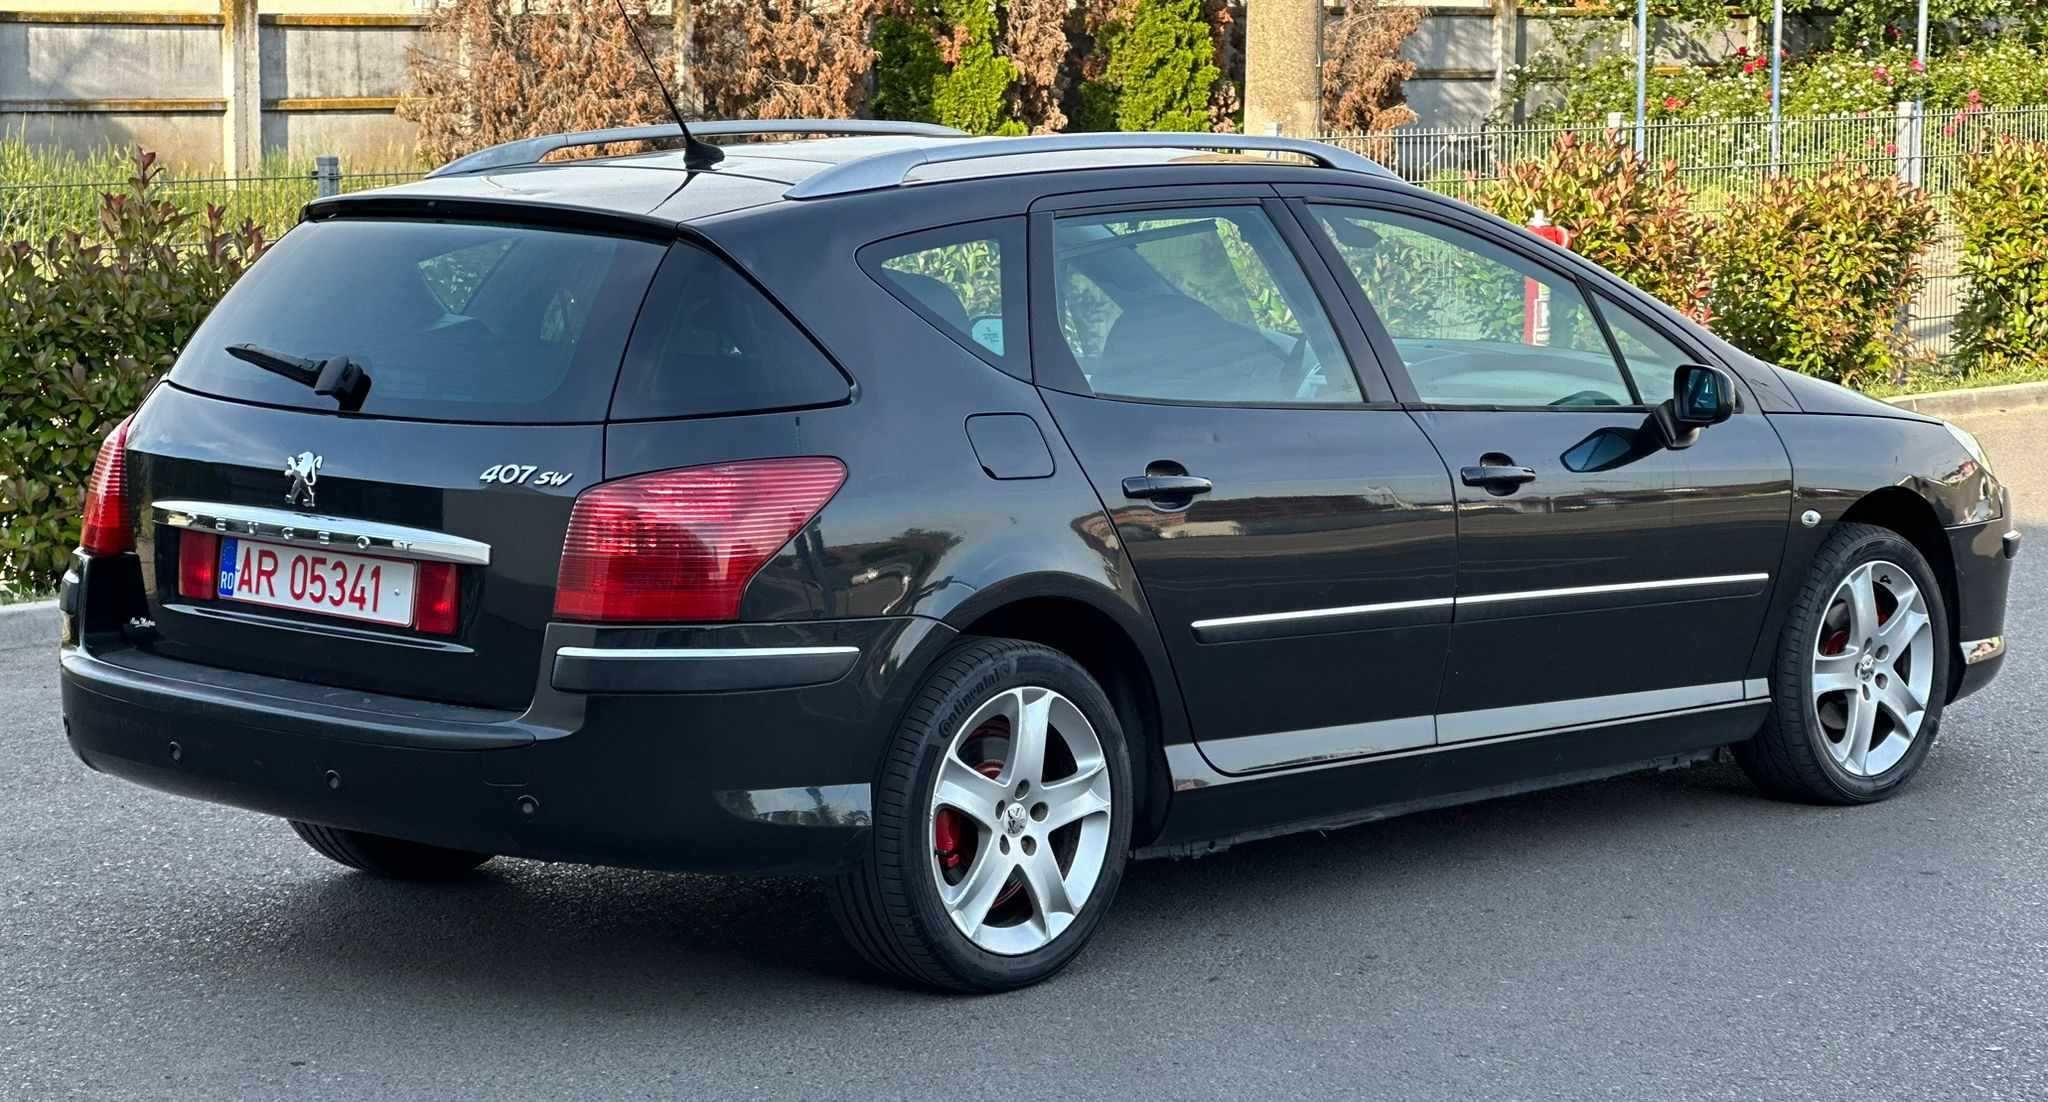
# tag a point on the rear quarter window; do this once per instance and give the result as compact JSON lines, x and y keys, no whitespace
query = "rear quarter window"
{"x":709,"y":342}
{"x":452,"y":321}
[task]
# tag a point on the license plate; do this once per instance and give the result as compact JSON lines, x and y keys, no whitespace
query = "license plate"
{"x":355,"y":587}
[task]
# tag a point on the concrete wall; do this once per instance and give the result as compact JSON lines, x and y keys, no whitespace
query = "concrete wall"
{"x":326,"y":82}
{"x":1465,"y":52}
{"x":80,"y":74}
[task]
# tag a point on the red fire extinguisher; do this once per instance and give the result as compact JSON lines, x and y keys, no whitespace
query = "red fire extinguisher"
{"x":1536,"y":295}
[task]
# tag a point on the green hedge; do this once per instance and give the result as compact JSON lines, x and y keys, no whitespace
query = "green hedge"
{"x":1810,"y":272}
{"x":88,"y":320}
{"x":2002,"y":211}
{"x":1814,"y":273}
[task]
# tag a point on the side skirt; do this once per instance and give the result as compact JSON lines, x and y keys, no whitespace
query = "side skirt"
{"x":1213,"y":812}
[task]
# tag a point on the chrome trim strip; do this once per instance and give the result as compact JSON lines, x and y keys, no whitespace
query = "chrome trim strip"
{"x":1249,"y":753}
{"x":1618,"y":587}
{"x":1756,"y":688}
{"x":1983,"y":650}
{"x":341,"y":533}
{"x":1191,"y":771}
{"x":1219,"y":628}
{"x":1320,"y":613}
{"x":696,"y":653}
{"x":1531,"y":718}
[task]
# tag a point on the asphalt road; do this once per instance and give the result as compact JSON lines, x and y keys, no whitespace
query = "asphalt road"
{"x":1668,"y":936}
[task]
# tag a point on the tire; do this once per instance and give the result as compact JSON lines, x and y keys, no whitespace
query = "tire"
{"x":1806,"y":750}
{"x":890,"y":903}
{"x":387,"y":857}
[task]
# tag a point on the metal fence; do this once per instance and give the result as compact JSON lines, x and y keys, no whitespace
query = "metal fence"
{"x":1717,"y":158}
{"x":1720,"y":159}
{"x":52,"y":203}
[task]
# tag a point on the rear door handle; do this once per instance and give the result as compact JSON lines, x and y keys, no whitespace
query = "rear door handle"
{"x":1496,"y":477}
{"x":1153,"y":486}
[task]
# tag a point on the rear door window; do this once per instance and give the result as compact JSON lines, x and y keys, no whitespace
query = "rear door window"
{"x":709,"y":342}
{"x":452,"y":321}
{"x":1202,"y":304}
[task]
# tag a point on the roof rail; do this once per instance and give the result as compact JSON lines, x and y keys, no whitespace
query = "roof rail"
{"x":887,"y":170}
{"x":528,"y":151}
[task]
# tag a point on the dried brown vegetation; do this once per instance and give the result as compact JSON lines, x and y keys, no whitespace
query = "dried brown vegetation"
{"x":1362,"y":72}
{"x":494,"y":71}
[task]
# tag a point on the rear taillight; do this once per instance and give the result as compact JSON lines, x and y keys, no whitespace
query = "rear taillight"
{"x":434,"y":599}
{"x":682,"y":545}
{"x":106,"y":530}
{"x":198,"y":563}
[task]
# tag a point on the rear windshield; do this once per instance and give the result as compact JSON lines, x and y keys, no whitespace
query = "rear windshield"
{"x":455,"y":322}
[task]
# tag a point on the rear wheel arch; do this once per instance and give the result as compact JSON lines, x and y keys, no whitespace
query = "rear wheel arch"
{"x":1109,"y":650}
{"x":1912,"y":517}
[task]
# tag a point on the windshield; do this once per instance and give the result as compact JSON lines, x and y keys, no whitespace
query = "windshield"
{"x":451,"y":321}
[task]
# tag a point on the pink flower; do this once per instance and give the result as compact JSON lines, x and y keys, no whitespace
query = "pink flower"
{"x":1891,"y":147}
{"x":1917,"y":65}
{"x":1882,"y":74}
{"x":1673,"y":103}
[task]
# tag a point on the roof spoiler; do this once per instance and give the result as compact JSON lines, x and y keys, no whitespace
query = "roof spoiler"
{"x":530,"y":151}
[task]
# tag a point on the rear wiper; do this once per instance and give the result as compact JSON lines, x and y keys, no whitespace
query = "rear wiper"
{"x":336,"y":377}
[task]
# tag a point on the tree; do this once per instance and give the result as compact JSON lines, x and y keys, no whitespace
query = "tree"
{"x":493,"y":71}
{"x":1362,"y":70}
{"x":783,"y":58}
{"x":1035,"y":43}
{"x":1161,"y":70}
{"x":972,"y":93}
{"x":1226,"y":103}
{"x":908,"y":67}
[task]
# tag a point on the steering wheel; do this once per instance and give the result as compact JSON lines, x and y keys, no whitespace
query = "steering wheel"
{"x":1296,"y":369}
{"x":1587,"y":398}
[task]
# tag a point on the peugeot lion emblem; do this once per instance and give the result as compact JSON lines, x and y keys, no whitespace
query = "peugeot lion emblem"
{"x":304,"y":470}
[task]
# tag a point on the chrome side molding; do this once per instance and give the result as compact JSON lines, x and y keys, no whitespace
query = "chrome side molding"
{"x":1249,"y":757}
{"x":698,"y":669}
{"x":1428,"y":610}
{"x":286,"y":526}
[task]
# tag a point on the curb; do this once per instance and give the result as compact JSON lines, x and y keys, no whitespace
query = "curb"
{"x":28,"y":625}
{"x":1983,"y":399}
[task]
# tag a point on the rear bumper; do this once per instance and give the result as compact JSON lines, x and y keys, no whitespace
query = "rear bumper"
{"x":761,"y":781}
{"x":1983,"y":555}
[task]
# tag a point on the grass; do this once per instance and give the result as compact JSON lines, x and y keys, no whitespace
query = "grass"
{"x":1941,"y":376}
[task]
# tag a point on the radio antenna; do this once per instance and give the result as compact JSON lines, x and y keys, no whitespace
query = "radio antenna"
{"x":696,"y":154}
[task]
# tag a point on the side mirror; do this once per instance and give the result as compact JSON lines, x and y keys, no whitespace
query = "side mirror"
{"x":1701,"y":396}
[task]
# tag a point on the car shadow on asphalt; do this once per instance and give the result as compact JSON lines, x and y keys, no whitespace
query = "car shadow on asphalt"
{"x":613,"y":939}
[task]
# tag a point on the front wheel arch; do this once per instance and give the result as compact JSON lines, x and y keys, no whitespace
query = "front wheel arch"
{"x":1912,"y":517}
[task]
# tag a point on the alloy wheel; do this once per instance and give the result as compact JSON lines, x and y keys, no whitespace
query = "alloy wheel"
{"x":1020,"y":820}
{"x":1873,"y":668}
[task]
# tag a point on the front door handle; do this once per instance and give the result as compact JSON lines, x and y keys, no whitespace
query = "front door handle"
{"x":1152,"y":487}
{"x":1500,"y":478}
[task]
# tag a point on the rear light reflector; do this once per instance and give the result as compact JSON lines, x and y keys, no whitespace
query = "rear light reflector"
{"x":106,"y":530}
{"x":434,"y":598}
{"x":682,"y":545}
{"x":198,"y":563}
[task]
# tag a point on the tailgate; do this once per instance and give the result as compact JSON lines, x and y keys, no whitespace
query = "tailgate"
{"x":394,"y":494}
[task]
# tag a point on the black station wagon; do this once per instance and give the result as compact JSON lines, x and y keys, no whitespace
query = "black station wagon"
{"x":955,"y":519}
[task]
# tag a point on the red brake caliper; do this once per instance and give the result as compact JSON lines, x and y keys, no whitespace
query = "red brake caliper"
{"x":950,"y":826}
